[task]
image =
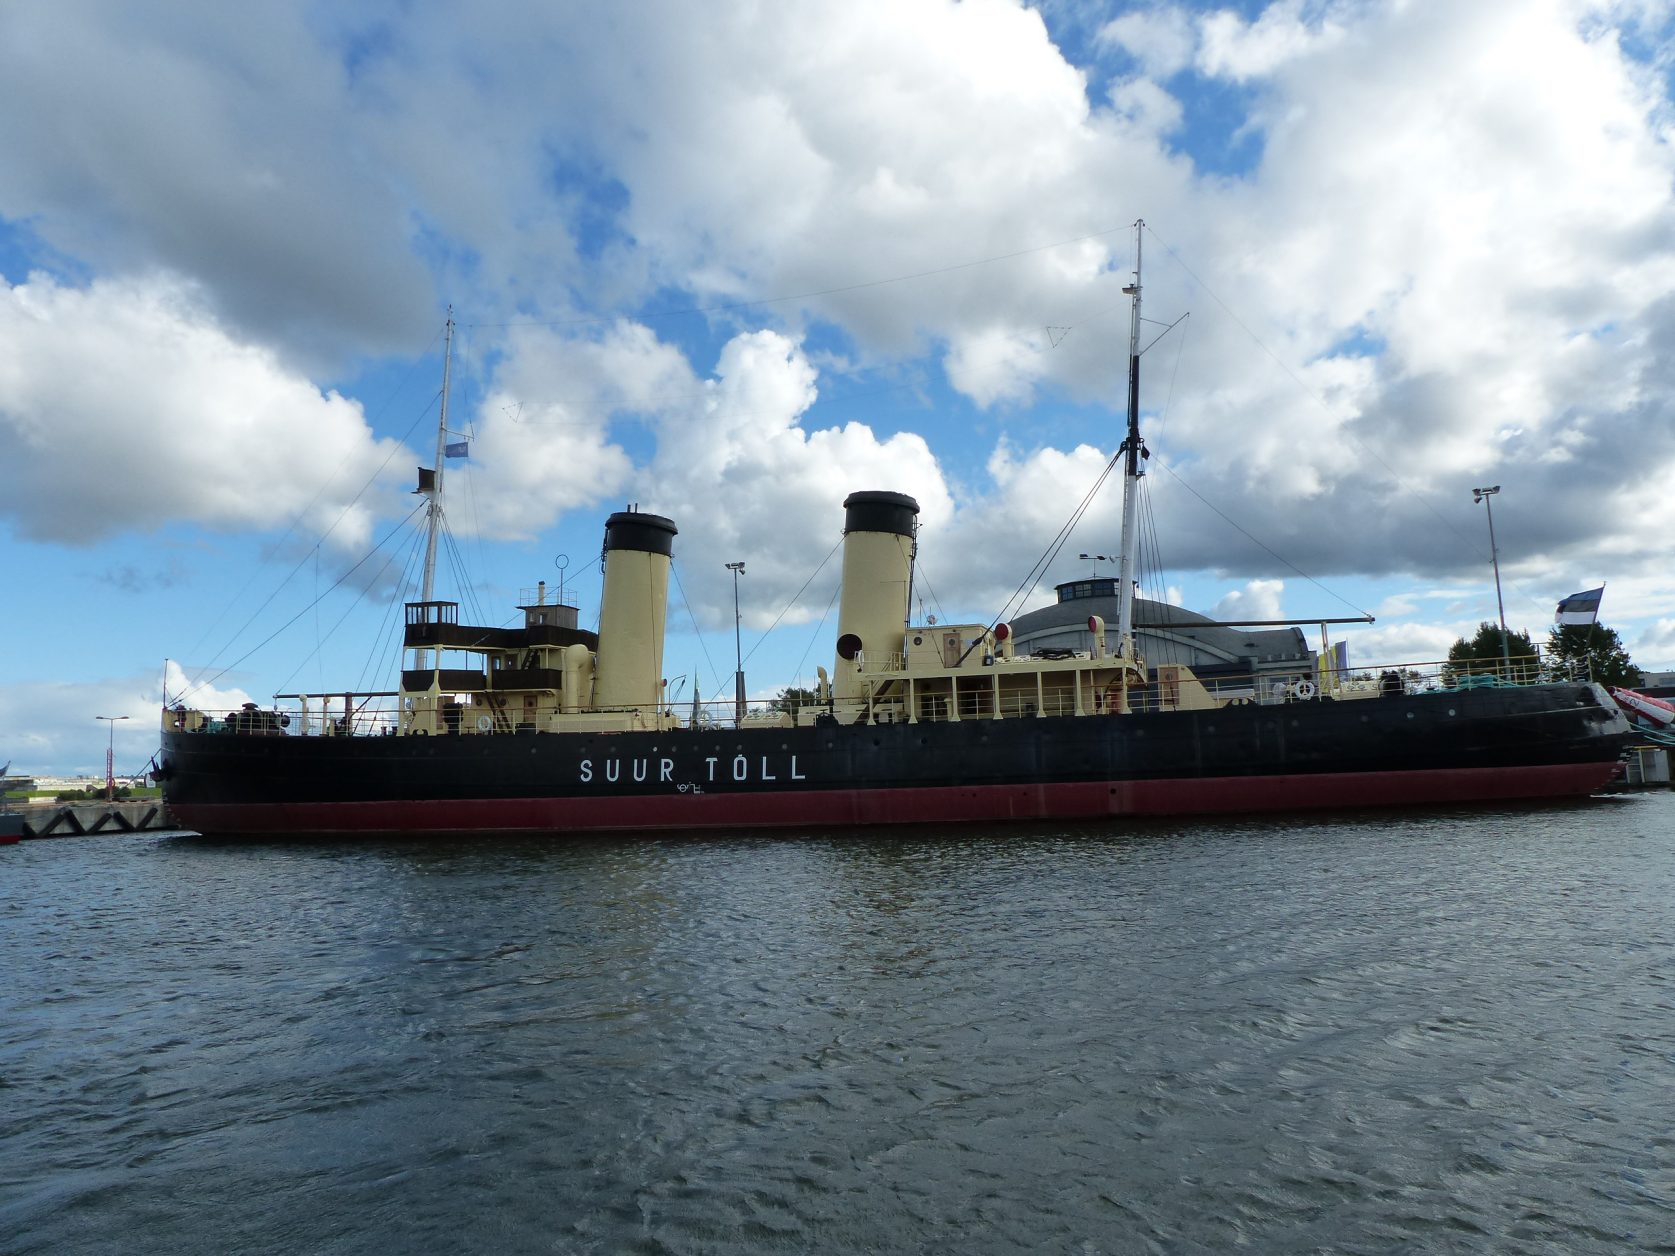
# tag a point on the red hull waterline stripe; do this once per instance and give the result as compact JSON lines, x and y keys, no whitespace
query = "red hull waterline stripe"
{"x":838,"y":808}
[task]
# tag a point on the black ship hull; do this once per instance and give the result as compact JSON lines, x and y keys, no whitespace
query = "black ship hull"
{"x":1545,"y":741}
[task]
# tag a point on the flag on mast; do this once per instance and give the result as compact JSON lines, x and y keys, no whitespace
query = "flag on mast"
{"x":1580,"y":608}
{"x":457,"y":449}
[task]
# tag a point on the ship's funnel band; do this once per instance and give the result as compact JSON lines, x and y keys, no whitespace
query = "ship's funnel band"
{"x":879,"y":512}
{"x":648,"y":534}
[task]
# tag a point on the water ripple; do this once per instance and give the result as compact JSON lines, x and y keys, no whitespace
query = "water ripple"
{"x":1447,"y":1032}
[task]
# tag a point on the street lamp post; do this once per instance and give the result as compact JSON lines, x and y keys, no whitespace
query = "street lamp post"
{"x":738,"y":648}
{"x":110,"y":756}
{"x":1483,"y":495}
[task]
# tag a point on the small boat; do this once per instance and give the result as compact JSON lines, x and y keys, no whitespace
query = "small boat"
{"x":1653,"y":712}
{"x":552,"y":729}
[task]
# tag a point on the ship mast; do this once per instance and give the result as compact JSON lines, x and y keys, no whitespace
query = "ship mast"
{"x":1132,"y":452}
{"x":434,"y":512}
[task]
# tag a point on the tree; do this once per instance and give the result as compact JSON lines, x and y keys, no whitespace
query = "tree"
{"x":1482,"y":654}
{"x":1594,"y":650}
{"x":792,"y":697}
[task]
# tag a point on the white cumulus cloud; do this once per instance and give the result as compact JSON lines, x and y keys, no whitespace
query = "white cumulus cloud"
{"x":127,"y":406}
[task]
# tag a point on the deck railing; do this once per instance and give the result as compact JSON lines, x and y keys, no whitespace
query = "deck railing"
{"x":378,"y":715}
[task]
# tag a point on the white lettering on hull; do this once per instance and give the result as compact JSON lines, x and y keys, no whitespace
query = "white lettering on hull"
{"x":741,"y":770}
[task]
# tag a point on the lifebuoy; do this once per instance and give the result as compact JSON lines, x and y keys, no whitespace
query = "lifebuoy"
{"x":484,"y":723}
{"x":1305,"y":690}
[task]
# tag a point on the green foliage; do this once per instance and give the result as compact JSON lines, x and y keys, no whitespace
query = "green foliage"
{"x":793,"y":697}
{"x":92,"y":794}
{"x":1482,"y":654}
{"x":1595,"y":648}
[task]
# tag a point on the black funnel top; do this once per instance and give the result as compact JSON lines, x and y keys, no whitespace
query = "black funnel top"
{"x":649,"y":534}
{"x":879,"y":512}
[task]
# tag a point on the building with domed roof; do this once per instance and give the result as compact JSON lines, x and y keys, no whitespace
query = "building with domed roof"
{"x":1227,"y":657}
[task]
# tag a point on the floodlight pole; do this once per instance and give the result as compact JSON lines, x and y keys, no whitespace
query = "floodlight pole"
{"x":738,"y":649}
{"x":110,"y":756}
{"x":1483,"y":495}
{"x":1096,"y":559}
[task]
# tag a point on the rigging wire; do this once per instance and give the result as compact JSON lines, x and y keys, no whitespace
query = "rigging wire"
{"x":319,"y":668}
{"x":922,"y":575}
{"x":1039,"y":570}
{"x":1149,"y":563}
{"x":687,"y":602}
{"x":1343,"y":429}
{"x":199,"y":684}
{"x":379,"y":647}
{"x":1252,"y":539}
{"x":468,"y":589}
{"x":1169,"y":397}
{"x":254,"y":615}
{"x":284,"y":684}
{"x":471,"y":435}
{"x":300,"y":515}
{"x":787,"y":608}
{"x":818,"y":628}
{"x":1177,"y":651}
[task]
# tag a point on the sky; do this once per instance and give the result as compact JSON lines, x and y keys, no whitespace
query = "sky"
{"x":731,"y":262}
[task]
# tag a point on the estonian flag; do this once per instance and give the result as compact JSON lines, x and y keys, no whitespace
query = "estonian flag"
{"x":1580,"y":608}
{"x":459,"y":449}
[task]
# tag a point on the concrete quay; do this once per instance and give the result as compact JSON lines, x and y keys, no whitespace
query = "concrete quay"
{"x":86,"y":819}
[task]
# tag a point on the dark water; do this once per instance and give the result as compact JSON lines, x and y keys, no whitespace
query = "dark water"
{"x":1449,"y":1032}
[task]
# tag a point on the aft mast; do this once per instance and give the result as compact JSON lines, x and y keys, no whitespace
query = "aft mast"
{"x":1132,"y":452}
